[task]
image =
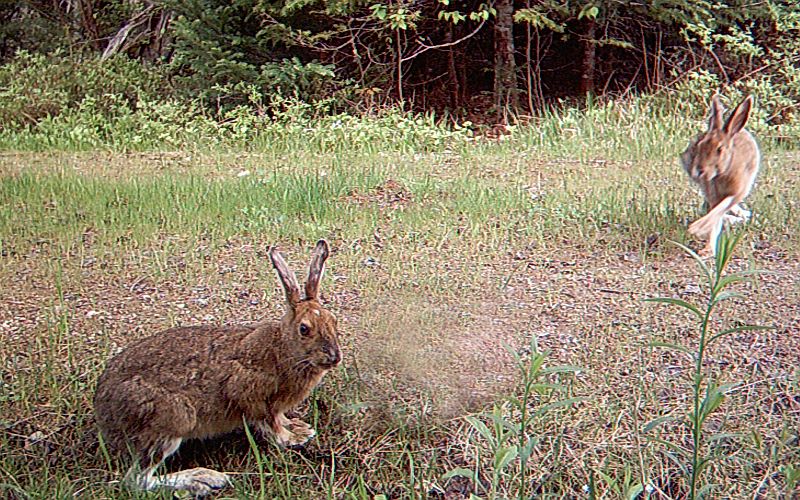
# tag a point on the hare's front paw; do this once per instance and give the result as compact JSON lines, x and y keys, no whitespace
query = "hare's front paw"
{"x":302,"y":429}
{"x":295,"y":437}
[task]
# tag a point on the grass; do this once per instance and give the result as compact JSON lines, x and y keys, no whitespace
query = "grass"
{"x":445,"y":255}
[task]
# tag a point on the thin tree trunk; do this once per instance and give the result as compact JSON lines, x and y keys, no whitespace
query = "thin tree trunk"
{"x":452,"y":75}
{"x":505,"y":87}
{"x":589,"y":58}
{"x":88,"y":23}
{"x":399,"y":68}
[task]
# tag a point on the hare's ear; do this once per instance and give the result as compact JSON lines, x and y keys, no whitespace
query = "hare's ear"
{"x":288,"y":279}
{"x":739,"y":117}
{"x":715,"y":113}
{"x":316,"y":269}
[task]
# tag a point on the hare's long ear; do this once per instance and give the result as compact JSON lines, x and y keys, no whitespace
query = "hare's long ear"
{"x":715,"y":113}
{"x":316,"y":269}
{"x":288,"y":279}
{"x":739,"y":117}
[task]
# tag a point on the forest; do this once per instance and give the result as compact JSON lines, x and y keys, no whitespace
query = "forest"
{"x":489,"y":61}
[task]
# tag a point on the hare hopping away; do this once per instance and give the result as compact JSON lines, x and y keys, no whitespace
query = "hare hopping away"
{"x":202,"y":381}
{"x":724,"y":162}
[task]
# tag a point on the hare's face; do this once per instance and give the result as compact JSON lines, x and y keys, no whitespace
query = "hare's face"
{"x":314,"y":331}
{"x":709,"y":156}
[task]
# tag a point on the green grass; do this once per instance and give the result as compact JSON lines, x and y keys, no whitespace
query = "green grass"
{"x":447,"y":251}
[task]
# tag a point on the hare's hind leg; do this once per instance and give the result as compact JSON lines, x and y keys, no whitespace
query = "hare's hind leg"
{"x":198,"y":481}
{"x":710,"y":249}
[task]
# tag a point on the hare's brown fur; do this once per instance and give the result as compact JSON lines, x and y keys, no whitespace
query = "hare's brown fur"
{"x":723,"y":162}
{"x":202,"y":381}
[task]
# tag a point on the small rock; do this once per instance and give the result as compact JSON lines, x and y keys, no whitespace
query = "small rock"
{"x":34,"y":439}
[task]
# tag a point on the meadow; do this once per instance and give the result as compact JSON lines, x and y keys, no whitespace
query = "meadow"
{"x":490,"y":294}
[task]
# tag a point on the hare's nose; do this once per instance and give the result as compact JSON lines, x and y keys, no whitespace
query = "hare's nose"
{"x":333,"y":353}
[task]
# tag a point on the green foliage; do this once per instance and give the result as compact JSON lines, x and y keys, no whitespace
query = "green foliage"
{"x":34,"y":87}
{"x":708,"y":394}
{"x":224,"y":50}
{"x":511,"y":436}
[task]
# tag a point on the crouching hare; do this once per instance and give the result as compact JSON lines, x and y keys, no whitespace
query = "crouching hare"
{"x":724,"y":162}
{"x":202,"y":381}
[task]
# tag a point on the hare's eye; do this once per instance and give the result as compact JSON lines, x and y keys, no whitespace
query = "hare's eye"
{"x":304,"y":330}
{"x":719,"y":150}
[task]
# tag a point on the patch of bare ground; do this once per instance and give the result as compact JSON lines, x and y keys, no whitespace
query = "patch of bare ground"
{"x":419,"y":355}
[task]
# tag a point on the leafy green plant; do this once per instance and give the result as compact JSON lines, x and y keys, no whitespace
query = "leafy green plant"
{"x":707,"y":393}
{"x":511,"y":435}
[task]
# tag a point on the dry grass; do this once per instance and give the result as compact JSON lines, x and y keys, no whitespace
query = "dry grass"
{"x":441,"y":263}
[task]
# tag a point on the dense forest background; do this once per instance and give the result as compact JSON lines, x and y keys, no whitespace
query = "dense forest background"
{"x":488,"y":61}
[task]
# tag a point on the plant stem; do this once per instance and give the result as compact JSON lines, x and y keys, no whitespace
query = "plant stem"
{"x":698,"y":377}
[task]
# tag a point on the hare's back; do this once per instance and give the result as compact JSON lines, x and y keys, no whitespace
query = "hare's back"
{"x":168,"y":383}
{"x":176,"y":355}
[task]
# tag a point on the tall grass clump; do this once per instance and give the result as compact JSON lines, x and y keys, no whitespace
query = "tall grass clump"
{"x":708,"y":393}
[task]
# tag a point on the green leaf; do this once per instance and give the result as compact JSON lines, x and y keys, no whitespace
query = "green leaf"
{"x":725,"y":296}
{"x":559,"y":404}
{"x":634,"y":491}
{"x":724,"y":435}
{"x":702,"y":492}
{"x":482,"y":429}
{"x":725,"y":281}
{"x":460,"y":472}
{"x":697,"y":258}
{"x":525,"y":451}
{"x":674,"y":347}
{"x":563,"y":369}
{"x":677,"y":302}
{"x":499,"y":420}
{"x":649,"y":426}
{"x":504,"y":456}
{"x":711,"y":402}
{"x":743,"y":328}
{"x":589,"y":11}
{"x":609,"y":481}
{"x":674,"y":447}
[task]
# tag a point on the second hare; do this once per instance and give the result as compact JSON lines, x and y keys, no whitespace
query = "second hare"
{"x":203,"y":381}
{"x":724,"y":162}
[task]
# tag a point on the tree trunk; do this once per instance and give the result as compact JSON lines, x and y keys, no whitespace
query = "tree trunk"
{"x":88,"y":24}
{"x":589,"y":58}
{"x":505,"y":81}
{"x":452,"y":73}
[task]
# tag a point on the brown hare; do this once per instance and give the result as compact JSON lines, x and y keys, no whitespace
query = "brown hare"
{"x":724,"y":162}
{"x":202,"y":381}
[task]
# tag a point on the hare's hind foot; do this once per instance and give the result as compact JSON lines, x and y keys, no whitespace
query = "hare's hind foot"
{"x":198,"y":481}
{"x":732,"y":220}
{"x":739,"y":212}
{"x":706,"y":252}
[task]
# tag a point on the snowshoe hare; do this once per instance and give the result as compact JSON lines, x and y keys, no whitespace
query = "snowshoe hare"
{"x":202,"y":381}
{"x":724,"y":162}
